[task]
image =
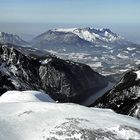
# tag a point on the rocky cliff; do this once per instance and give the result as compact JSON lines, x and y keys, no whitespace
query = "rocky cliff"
{"x":65,"y":81}
{"x":124,"y":98}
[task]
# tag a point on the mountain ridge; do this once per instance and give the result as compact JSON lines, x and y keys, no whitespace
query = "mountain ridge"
{"x":124,"y":97}
{"x":92,"y":34}
{"x":100,"y":56}
{"x":12,"y":39}
{"x":63,"y":80}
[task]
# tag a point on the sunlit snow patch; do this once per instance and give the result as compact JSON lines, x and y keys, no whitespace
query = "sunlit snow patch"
{"x":131,"y":49}
{"x":138,"y":74}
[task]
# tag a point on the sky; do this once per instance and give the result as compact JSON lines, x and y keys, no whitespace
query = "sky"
{"x":36,"y":16}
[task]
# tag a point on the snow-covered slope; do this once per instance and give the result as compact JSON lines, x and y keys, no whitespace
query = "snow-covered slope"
{"x":52,"y":121}
{"x":25,"y":96}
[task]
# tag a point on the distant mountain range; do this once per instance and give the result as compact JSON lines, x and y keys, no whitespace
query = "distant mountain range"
{"x":103,"y":50}
{"x":94,"y":37}
{"x":13,"y":39}
{"x":106,"y":52}
{"x":80,"y":37}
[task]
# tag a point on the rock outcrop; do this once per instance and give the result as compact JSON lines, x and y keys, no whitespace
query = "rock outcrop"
{"x":124,"y":98}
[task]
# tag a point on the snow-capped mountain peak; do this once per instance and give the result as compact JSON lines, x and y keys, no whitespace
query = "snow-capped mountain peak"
{"x":91,"y":34}
{"x":64,"y":29}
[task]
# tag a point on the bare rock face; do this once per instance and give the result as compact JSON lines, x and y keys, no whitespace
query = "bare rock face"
{"x":68,"y":81}
{"x":124,"y":98}
{"x":63,"y":80}
{"x":5,"y":83}
{"x":22,"y":71}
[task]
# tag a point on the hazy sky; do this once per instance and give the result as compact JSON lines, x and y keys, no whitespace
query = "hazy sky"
{"x":121,"y":15}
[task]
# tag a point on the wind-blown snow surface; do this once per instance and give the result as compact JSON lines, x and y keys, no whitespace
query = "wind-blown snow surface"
{"x":25,"y":96}
{"x":53,"y":121}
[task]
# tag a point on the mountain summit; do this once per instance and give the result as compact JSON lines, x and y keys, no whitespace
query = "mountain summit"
{"x":12,"y":39}
{"x":102,"y":49}
{"x":93,"y":35}
{"x":81,"y":37}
